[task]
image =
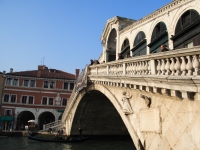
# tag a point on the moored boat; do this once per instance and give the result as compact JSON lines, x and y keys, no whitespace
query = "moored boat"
{"x":70,"y":140}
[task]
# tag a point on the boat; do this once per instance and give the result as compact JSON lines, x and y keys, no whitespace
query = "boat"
{"x":70,"y":140}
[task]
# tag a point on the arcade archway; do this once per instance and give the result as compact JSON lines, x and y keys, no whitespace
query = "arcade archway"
{"x":23,"y":118}
{"x":44,"y":118}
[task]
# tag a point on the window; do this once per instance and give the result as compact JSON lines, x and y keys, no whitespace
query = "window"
{"x":45,"y":84}
{"x":30,"y":100}
{"x":44,"y":101}
{"x":65,"y":85}
{"x":32,"y":84}
{"x":24,"y":98}
{"x":8,"y":112}
{"x":6,"y":97}
{"x":8,"y":81}
{"x":71,"y":86}
{"x":26,"y":83}
{"x":189,"y":44}
{"x":13,"y":98}
{"x":50,"y":101}
{"x":52,"y":85}
{"x":186,"y":19}
{"x":15,"y":82}
{"x":64,"y":102}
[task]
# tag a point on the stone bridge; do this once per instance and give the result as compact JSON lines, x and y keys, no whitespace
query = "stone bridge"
{"x":153,"y":98}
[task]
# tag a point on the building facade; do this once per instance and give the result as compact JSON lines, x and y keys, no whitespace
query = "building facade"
{"x":176,"y":25}
{"x":39,"y":95}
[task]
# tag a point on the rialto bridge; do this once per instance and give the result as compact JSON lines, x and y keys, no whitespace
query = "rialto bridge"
{"x":155,"y":99}
{"x":152,"y":96}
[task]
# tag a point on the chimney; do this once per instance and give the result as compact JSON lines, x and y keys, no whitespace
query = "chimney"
{"x":40,"y":67}
{"x":11,"y":70}
{"x":39,"y":72}
{"x":4,"y":72}
{"x":77,"y":73}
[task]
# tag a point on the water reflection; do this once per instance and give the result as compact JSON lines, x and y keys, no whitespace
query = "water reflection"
{"x":24,"y":143}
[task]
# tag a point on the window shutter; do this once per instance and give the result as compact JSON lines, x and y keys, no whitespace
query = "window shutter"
{"x":194,"y":16}
{"x":178,"y":27}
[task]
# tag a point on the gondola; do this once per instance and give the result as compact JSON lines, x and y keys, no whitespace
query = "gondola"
{"x":71,"y":140}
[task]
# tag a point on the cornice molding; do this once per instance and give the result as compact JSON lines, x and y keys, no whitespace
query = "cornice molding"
{"x":161,"y":11}
{"x":35,"y":78}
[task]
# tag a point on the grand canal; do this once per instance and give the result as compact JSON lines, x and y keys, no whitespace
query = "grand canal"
{"x":23,"y":143}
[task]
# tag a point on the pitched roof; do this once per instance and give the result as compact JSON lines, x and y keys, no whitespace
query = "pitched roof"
{"x":45,"y":73}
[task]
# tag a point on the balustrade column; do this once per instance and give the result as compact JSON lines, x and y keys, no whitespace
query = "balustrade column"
{"x":172,"y":66}
{"x":134,"y":68}
{"x":146,"y":68}
{"x":196,"y":65}
{"x":183,"y":66}
{"x":189,"y":65}
{"x":149,"y":67}
{"x":124,"y":69}
{"x":158,"y":68}
{"x":177,"y":67}
{"x":167,"y":67}
{"x":163,"y":66}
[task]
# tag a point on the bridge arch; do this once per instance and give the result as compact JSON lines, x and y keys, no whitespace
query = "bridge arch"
{"x":72,"y":124}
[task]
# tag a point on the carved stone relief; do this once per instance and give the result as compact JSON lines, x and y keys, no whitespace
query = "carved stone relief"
{"x":147,"y":100}
{"x":126,"y":104}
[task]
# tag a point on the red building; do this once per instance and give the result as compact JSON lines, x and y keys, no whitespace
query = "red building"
{"x":39,"y":95}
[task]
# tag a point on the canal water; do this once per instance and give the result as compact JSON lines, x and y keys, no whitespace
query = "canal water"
{"x":23,"y":143}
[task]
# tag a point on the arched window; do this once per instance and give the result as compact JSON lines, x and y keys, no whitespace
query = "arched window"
{"x":187,"y":31}
{"x":159,"y":37}
{"x":111,"y":46}
{"x":125,"y":49}
{"x":140,"y":45}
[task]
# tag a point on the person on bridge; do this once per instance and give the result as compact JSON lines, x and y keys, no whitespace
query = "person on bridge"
{"x":164,"y":48}
{"x":80,"y":132}
{"x":120,"y":56}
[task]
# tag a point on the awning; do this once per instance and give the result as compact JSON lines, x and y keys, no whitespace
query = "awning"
{"x":60,"y":111}
{"x":6,"y":118}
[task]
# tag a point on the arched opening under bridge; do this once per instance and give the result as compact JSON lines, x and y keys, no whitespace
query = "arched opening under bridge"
{"x":96,"y":114}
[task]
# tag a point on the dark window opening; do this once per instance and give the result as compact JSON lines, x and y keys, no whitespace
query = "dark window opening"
{"x":26,"y":83}
{"x":30,"y":100}
{"x":13,"y":98}
{"x":6,"y":98}
{"x":52,"y":85}
{"x":71,"y":86}
{"x":66,"y":85}
{"x":15,"y":82}
{"x":24,"y":98}
{"x":44,"y":101}
{"x":64,"y":102}
{"x":45,"y":84}
{"x":8,"y":81}
{"x":32,"y":84}
{"x":50,"y":101}
{"x":8,"y":112}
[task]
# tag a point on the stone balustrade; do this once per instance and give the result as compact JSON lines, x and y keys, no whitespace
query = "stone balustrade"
{"x":183,"y":62}
{"x":70,"y":102}
{"x":52,"y":124}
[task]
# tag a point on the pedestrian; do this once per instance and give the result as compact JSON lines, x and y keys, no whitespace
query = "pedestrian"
{"x":120,"y":56}
{"x":91,"y":62}
{"x":163,"y":48}
{"x":80,"y":132}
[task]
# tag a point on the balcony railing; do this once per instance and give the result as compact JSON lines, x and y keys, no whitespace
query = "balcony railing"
{"x":182,"y":62}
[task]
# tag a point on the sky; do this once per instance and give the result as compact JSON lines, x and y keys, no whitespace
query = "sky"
{"x":61,"y":34}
